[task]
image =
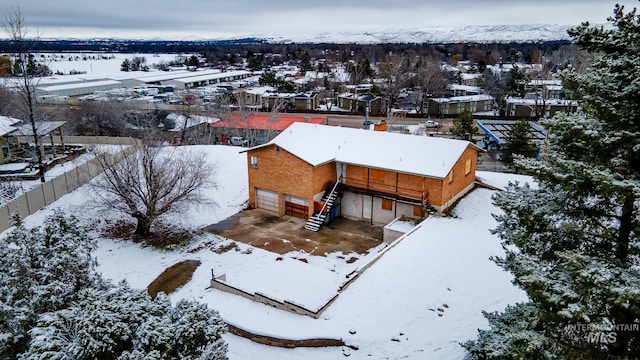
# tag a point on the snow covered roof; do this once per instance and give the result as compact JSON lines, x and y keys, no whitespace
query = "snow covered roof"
{"x":420,"y":155}
{"x":192,"y":120}
{"x":535,"y":102}
{"x":467,"y":98}
{"x":261,"y":121}
{"x":42,"y":128}
{"x":6,"y":124}
{"x":83,"y":85}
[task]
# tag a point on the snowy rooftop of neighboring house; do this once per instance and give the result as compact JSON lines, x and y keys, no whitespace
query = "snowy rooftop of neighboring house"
{"x":264,"y":122}
{"x":467,"y":98}
{"x":193,"y":120}
{"x":464,"y":87}
{"x":259,"y":90}
{"x":421,"y":155}
{"x":541,"y":82}
{"x":554,"y":87}
{"x":467,"y":76}
{"x":42,"y":128}
{"x":291,"y":95}
{"x":6,"y":124}
{"x":534,"y":102}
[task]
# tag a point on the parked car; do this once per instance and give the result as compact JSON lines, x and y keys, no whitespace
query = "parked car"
{"x":238,"y":141}
{"x":431,"y":124}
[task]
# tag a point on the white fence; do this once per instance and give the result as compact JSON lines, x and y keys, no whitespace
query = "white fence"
{"x":46,"y":193}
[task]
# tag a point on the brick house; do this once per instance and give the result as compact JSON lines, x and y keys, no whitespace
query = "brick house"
{"x":381,"y":175}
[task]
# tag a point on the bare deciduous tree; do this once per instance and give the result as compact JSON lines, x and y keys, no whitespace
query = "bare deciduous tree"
{"x":98,"y":118}
{"x":14,"y":25}
{"x":431,"y":80}
{"x":395,"y":73}
{"x":153,"y":181}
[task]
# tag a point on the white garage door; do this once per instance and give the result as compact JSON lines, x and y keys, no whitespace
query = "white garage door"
{"x":267,"y":200}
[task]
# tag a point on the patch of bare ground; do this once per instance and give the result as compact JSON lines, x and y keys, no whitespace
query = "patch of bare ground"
{"x":162,"y":235}
{"x":173,"y":278}
{"x":284,"y":234}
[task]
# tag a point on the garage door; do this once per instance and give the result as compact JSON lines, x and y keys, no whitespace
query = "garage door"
{"x":295,"y":206}
{"x":267,"y":200}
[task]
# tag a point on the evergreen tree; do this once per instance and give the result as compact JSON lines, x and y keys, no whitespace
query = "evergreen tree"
{"x":517,"y":142}
{"x":53,"y":305}
{"x":126,"y":65}
{"x":572,"y":241}
{"x":41,"y":269}
{"x":516,"y":81}
{"x":464,"y":128}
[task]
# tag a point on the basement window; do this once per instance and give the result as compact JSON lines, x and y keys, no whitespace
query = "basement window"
{"x":253,"y":161}
{"x":387,"y":204}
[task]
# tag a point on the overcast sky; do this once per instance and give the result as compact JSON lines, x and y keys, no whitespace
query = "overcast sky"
{"x":214,"y":19}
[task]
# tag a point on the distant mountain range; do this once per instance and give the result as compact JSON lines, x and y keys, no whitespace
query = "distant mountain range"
{"x":536,"y":33}
{"x":437,"y":35}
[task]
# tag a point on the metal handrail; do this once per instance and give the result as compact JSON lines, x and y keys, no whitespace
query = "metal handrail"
{"x":335,"y":186}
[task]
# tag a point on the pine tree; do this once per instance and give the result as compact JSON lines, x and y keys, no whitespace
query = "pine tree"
{"x":53,"y":305}
{"x":464,"y":128}
{"x":126,"y":65}
{"x":517,"y":142}
{"x":572,"y":242}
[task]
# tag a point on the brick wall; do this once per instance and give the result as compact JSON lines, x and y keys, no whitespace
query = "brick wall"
{"x":280,"y":171}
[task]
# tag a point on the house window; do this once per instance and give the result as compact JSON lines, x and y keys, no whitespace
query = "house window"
{"x":254,"y":161}
{"x":417,"y":211}
{"x":387,"y":204}
{"x":450,"y":177}
{"x":467,"y":167}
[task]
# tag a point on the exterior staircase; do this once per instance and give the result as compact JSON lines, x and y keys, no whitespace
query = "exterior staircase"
{"x":317,"y":219}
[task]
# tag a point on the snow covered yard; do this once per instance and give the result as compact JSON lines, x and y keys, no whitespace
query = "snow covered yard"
{"x":420,"y":300}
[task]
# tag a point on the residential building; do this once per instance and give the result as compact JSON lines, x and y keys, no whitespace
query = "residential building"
{"x":458,"y":104}
{"x":378,"y":176}
{"x":257,"y":128}
{"x":538,"y":107}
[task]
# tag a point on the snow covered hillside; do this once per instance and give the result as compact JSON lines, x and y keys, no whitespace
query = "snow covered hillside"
{"x":437,"y":35}
{"x":419,"y":301}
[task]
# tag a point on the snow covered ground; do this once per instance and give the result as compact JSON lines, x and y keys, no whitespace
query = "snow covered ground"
{"x":419,"y":301}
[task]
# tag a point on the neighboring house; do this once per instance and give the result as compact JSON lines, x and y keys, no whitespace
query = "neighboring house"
{"x":354,"y":102}
{"x":458,"y":104}
{"x":298,"y":101}
{"x":463,"y":90}
{"x":7,"y":126}
{"x":534,"y":108}
{"x":381,"y":175}
{"x":257,"y":128}
{"x":45,"y":130}
{"x":191,"y":130}
{"x":474,"y":79}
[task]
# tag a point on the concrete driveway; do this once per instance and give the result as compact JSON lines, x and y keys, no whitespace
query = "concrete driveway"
{"x":282,"y":234}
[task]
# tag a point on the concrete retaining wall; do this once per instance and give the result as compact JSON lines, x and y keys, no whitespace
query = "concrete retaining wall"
{"x":299,"y":309}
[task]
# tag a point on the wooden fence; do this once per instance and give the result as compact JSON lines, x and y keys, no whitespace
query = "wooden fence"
{"x":46,"y":193}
